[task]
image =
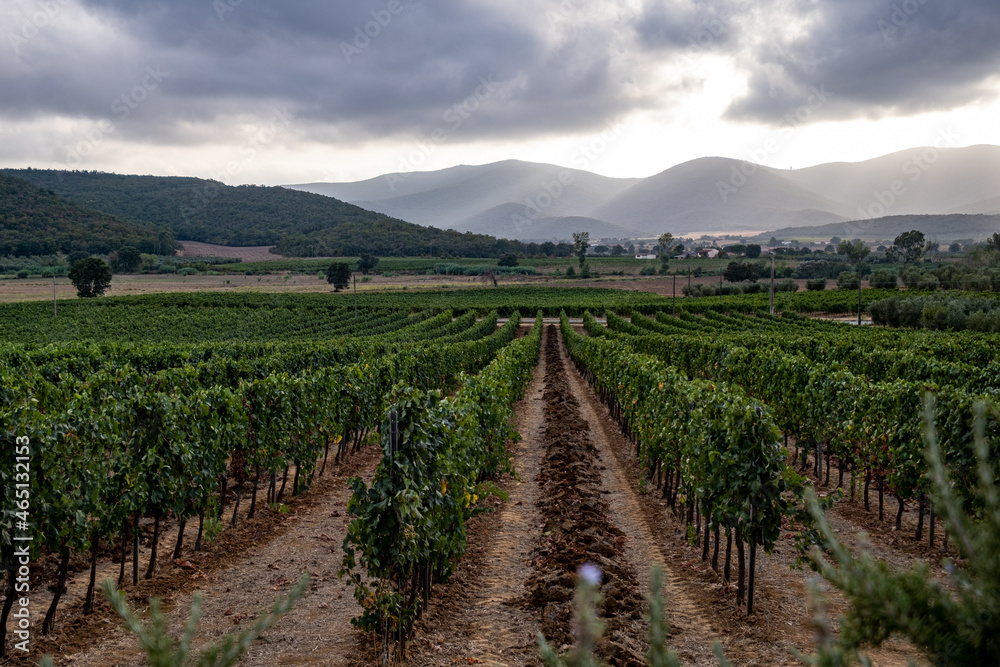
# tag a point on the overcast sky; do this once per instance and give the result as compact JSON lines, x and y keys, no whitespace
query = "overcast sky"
{"x":251,"y":91}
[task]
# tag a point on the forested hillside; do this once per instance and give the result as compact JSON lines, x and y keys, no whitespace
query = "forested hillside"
{"x":297,"y":223}
{"x":37,"y":221}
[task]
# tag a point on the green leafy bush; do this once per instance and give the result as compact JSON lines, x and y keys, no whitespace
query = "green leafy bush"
{"x":847,"y":280}
{"x":816,"y":284}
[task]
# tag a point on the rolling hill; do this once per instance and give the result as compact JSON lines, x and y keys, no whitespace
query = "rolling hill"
{"x":296,"y":223}
{"x":938,"y":228}
{"x":488,"y":198}
{"x":707,"y":194}
{"x":37,"y":221}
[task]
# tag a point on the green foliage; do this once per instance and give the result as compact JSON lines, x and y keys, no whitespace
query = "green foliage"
{"x":163,"y":651}
{"x":737,"y":272}
{"x":993,"y":242}
{"x":299,"y":224}
{"x":883,"y":279}
{"x":724,"y":444}
{"x":944,"y":312}
{"x":581,"y":241}
{"x":338,"y":274}
{"x":787,"y":285}
{"x":752,"y":251}
{"x":957,"y":624}
{"x":37,"y":221}
{"x":856,"y":252}
{"x":847,"y":280}
{"x":908,"y":247}
{"x":367,"y":263}
{"x":213,"y":528}
{"x":127,"y":260}
{"x":91,"y":277}
{"x":509,"y":259}
{"x":409,"y":525}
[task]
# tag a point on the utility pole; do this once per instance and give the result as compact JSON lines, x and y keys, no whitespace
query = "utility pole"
{"x":355,"y":296}
{"x":772,"y":283}
{"x":689,"y":282}
{"x":675,"y":294}
{"x":859,"y":294}
{"x":53,"y":295}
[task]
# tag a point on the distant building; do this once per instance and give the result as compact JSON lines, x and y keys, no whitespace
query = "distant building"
{"x":710,"y":253}
{"x":645,"y":256}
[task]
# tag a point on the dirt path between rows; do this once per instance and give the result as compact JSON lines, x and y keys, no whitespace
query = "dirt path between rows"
{"x":317,"y":631}
{"x":483,"y":615}
{"x":478,"y":617}
{"x":692,"y":631}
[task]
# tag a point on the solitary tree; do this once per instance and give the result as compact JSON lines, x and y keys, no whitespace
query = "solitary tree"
{"x":856,"y":251}
{"x":753,"y":251}
{"x":581,"y":241}
{"x":367,"y":263}
{"x":665,"y":244}
{"x":91,"y":277}
{"x":908,"y":247}
{"x":338,"y":275}
{"x":507,"y":259}
{"x":127,"y":261}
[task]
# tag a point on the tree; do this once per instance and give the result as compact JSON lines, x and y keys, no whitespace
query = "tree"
{"x":835,"y":240}
{"x":602,"y":250}
{"x":665,"y":244}
{"x":753,"y":251}
{"x":75,"y":257}
{"x":993,"y":242}
{"x":618,"y":250}
{"x":91,"y":277}
{"x":367,"y":263}
{"x":856,"y":251}
{"x":581,"y":241}
{"x":127,"y":260}
{"x":508,"y":259}
{"x":737,"y":272}
{"x":908,"y":247}
{"x":165,"y":241}
{"x":339,"y":275}
{"x":955,"y":246}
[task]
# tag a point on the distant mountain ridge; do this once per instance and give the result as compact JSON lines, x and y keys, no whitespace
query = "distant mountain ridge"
{"x":530,"y":201}
{"x":297,"y":223}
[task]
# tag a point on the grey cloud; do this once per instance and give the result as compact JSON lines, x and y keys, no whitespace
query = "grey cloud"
{"x":875,"y":58}
{"x":250,"y":56}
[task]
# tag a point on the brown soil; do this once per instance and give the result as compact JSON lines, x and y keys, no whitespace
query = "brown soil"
{"x":240,"y":576}
{"x":245,"y":253}
{"x":578,"y":529}
{"x":580,"y":496}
